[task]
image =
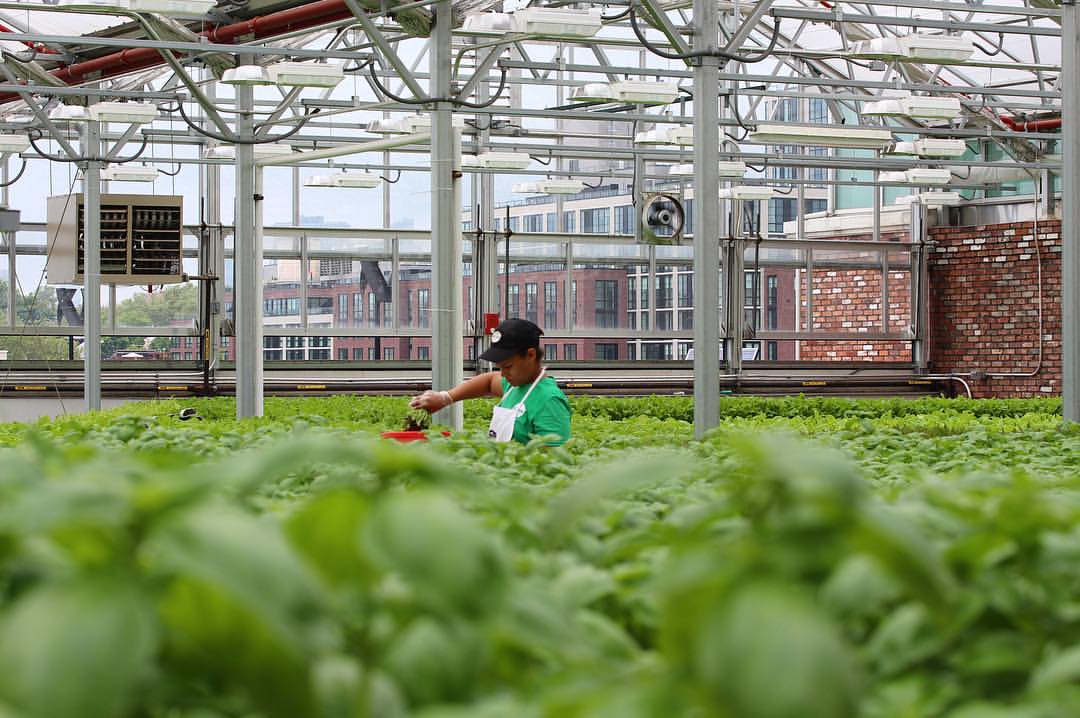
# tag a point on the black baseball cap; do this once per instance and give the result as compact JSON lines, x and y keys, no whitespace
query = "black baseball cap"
{"x":510,"y":338}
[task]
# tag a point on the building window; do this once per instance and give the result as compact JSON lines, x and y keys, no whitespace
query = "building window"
{"x":772,"y":291}
{"x":607,"y":303}
{"x":688,"y":216}
{"x":657,"y":351}
{"x":686,"y":320}
{"x":513,"y":307}
{"x":631,"y":351}
{"x":371,"y":353}
{"x":624,"y":219}
{"x":373,"y":316}
{"x":343,"y":354}
{"x":631,"y":293}
{"x":423,"y":297}
{"x":552,"y":222}
{"x":607,"y":351}
{"x":771,"y":350}
{"x":780,"y":210}
{"x":530,"y":302}
{"x":187,"y":355}
{"x":423,"y":353}
{"x":568,"y":221}
{"x":388,"y":353}
{"x":686,"y":289}
{"x":569,"y":352}
{"x":358,"y":308}
{"x":343,"y":309}
{"x":514,"y":223}
{"x":815,"y":205}
{"x":664,"y":321}
{"x":551,"y":305}
{"x":751,"y":298}
{"x":320,"y":354}
{"x":358,"y":353}
{"x":534,"y":223}
{"x":573,"y":301}
{"x":819,"y":111}
{"x":664,"y":295}
{"x":595,"y":221}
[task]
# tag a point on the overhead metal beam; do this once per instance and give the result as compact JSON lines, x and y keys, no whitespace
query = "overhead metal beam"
{"x":1070,"y":229}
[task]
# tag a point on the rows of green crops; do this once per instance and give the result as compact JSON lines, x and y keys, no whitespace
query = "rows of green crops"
{"x":810,"y":557}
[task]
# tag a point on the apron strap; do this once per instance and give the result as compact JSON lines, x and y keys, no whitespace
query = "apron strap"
{"x":535,"y":382}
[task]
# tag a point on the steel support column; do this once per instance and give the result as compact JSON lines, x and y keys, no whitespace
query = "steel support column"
{"x":707,"y":221}
{"x":247,"y":265}
{"x":1070,"y":251}
{"x":446,"y":325}
{"x":92,"y":268}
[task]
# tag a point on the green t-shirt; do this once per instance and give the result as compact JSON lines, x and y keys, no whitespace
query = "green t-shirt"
{"x":547,"y":411}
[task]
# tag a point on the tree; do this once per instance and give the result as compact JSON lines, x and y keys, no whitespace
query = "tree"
{"x":160,"y":309}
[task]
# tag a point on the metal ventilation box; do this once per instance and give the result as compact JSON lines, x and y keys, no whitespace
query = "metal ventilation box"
{"x":141,"y":239}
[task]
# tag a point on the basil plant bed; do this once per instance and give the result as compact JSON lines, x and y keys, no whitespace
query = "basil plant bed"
{"x":821,"y":563}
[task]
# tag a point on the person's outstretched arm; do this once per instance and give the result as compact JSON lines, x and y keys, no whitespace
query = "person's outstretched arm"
{"x":489,"y":384}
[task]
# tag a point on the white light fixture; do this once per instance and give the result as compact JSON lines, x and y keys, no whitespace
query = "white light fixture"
{"x":498,"y":22}
{"x":933,"y":147}
{"x":388,"y":126}
{"x":422,"y":123}
{"x":246,"y":75}
{"x":682,"y":135}
{"x":931,"y":198}
{"x":135,"y":113}
{"x":69,"y":113}
{"x":935,"y":48}
{"x":883,"y":108}
{"x":725,"y":169}
{"x":917,"y":175}
{"x":557,"y":22}
{"x":821,"y":136}
{"x":644,"y":93}
{"x":549,"y":186}
{"x":747,"y":192}
{"x":504,"y":160}
{"x":592,"y":92}
{"x":124,"y":173}
{"x":162,"y":7}
{"x":877,"y":48}
{"x":930,"y":107}
{"x":306,"y":74}
{"x":901,"y":149}
{"x":652,"y":137}
{"x":345,"y":180}
{"x":228,"y":152}
{"x":13,"y":144}
{"x":469,"y":161}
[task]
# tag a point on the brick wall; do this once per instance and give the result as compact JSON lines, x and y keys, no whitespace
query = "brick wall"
{"x":984,"y":306}
{"x":847,"y":291}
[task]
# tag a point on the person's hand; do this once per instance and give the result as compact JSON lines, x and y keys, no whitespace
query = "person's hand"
{"x":431,"y":401}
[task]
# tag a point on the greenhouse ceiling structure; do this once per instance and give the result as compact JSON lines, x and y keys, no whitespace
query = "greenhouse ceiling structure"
{"x":155,"y":143}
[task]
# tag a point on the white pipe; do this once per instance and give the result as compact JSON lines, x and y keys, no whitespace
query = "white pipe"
{"x":342,"y":150}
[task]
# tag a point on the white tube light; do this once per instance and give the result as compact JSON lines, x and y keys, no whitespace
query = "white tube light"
{"x":504,"y":160}
{"x":883,"y":108}
{"x":497,"y":22}
{"x":747,"y":192}
{"x":526,"y":188}
{"x":14,"y":144}
{"x":877,"y":48}
{"x":123,"y":173}
{"x":901,"y":149}
{"x":344,"y":180}
{"x":592,"y":92}
{"x":246,"y":75}
{"x":306,"y":74}
{"x":653,"y":137}
{"x":644,"y":93}
{"x":228,"y":152}
{"x":922,"y":175}
{"x":135,"y":113}
{"x":69,"y":113}
{"x":821,"y":136}
{"x":931,"y":199}
{"x":725,"y":169}
{"x":557,"y":22}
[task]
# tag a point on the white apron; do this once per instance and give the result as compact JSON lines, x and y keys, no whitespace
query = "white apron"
{"x":503,"y":419}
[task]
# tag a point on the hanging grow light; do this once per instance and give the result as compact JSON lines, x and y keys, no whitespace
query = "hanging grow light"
{"x":917,"y":175}
{"x":124,"y":173}
{"x":246,"y":75}
{"x":592,"y":92}
{"x":877,"y":48}
{"x":69,"y":113}
{"x":933,"y":147}
{"x":162,"y":7}
{"x":901,"y":149}
{"x":504,"y":160}
{"x":549,"y":186}
{"x":135,"y":113}
{"x":725,"y":169}
{"x":644,"y":93}
{"x":883,"y":108}
{"x":228,"y":152}
{"x":306,"y":74}
{"x":683,"y":136}
{"x":931,"y":199}
{"x":821,"y":136}
{"x":497,"y":22}
{"x":653,"y":137}
{"x":346,"y":180}
{"x":747,"y":192}
{"x":930,"y":107}
{"x":14,"y":144}
{"x":935,"y":48}
{"x":556,"y":22}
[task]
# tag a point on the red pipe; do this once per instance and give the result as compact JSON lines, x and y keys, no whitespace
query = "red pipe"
{"x":1052,"y":123}
{"x":141,"y":58}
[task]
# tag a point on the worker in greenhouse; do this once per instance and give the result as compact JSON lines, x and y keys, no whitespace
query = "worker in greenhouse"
{"x":530,"y":404}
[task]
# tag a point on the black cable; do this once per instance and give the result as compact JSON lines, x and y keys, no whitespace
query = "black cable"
{"x":748,"y":59}
{"x":488,"y":103}
{"x":996,"y":50}
{"x":33,"y":143}
{"x":541,"y":161}
{"x":234,"y":140}
{"x":172,"y":174}
{"x":132,"y":158}
{"x":616,"y":17}
{"x":733,"y":104}
{"x":20,"y":174}
{"x":391,"y":181}
{"x":386,"y":91}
